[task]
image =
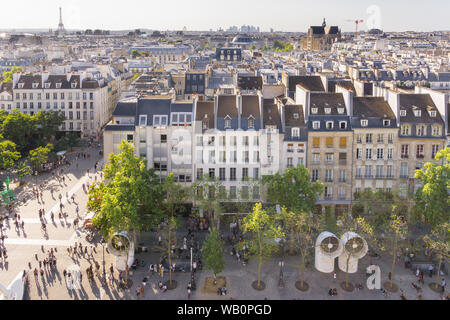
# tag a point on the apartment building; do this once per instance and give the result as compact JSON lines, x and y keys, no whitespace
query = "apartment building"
{"x":375,"y":142}
{"x":83,"y":99}
{"x":421,"y":135}
{"x":6,"y":96}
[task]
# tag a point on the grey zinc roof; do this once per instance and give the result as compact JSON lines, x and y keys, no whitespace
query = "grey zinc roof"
{"x":422,"y":102}
{"x":125,"y":109}
{"x":120,"y":127}
{"x":151,"y":107}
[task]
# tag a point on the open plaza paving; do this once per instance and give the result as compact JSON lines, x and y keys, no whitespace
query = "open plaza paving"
{"x":25,"y":250}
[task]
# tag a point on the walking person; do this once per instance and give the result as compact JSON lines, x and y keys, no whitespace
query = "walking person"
{"x":189,"y":293}
{"x":143,"y":290}
{"x":334,"y":277}
{"x":430,"y":270}
{"x":443,"y":284}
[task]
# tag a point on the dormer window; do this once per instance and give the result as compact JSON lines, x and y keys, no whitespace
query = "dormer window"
{"x":35,"y":85}
{"x":364,"y":123}
{"x":436,"y":130}
{"x":227,"y":122}
{"x":143,"y":120}
{"x":159,"y":120}
{"x":295,"y":115}
{"x":295,"y":132}
{"x":20,"y":85}
{"x":251,"y":123}
{"x":433,"y":114}
{"x":402,"y":113}
{"x":343,"y":124}
{"x":316,"y":125}
{"x":205,"y":123}
{"x":58,"y":85}
{"x":47,"y":85}
{"x":327,"y":110}
{"x":314,"y":110}
{"x":340,"y":110}
{"x":329,"y":124}
{"x":73,"y":85}
{"x":386,"y":123}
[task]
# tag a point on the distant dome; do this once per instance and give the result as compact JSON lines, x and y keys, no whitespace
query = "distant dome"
{"x":242,"y":39}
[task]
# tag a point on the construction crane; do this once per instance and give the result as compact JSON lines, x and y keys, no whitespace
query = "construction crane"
{"x":357,"y":22}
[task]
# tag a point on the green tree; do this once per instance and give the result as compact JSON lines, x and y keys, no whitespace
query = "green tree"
{"x":209,"y":193}
{"x":135,"y":53}
{"x":23,"y":169}
{"x":128,"y":192}
{"x":252,"y":47}
{"x":439,"y":242}
{"x":136,"y":75}
{"x":8,"y":154}
{"x":397,"y":230}
{"x":20,"y":129}
{"x":68,"y":141}
{"x":8,"y":75}
{"x":293,"y":190}
{"x":169,"y":229}
{"x":303,"y":227}
{"x":432,"y":200}
{"x":40,"y":156}
{"x":263,"y":230}
{"x":174,"y":195}
{"x":212,"y":252}
{"x":48,"y":123}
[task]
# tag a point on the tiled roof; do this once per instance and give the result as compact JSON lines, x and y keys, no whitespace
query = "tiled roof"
{"x":227,"y":106}
{"x":311,"y":83}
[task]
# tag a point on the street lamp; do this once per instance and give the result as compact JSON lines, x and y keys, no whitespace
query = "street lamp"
{"x":103,"y":246}
{"x":281,"y":281}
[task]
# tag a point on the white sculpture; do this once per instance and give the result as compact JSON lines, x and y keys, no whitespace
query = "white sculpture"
{"x":328,"y":247}
{"x":355,"y":248}
{"x":118,"y":245}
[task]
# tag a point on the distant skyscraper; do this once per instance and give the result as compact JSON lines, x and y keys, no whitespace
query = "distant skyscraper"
{"x":60,"y":25}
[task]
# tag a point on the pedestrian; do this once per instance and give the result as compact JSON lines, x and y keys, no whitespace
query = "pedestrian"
{"x":40,"y":264}
{"x":23,"y":225}
{"x":90,"y":252}
{"x":150,"y":268}
{"x":162,"y":270}
{"x":85,"y":250}
{"x":110,"y":279}
{"x":143,"y":290}
{"x":194,"y":266}
{"x":138,"y":292}
{"x":389,"y":275}
{"x":189,"y":293}
{"x":443,"y":284}
{"x":421,"y":278}
{"x":334,"y":277}
{"x":111,"y":269}
{"x":81,"y":277}
{"x":417,"y":272}
{"x":430,"y":270}
{"x":64,"y":273}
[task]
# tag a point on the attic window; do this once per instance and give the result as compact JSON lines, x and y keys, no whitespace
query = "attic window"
{"x":364,"y":123}
{"x":295,"y":132}
{"x":402,"y":113}
{"x":340,"y":110}
{"x":73,"y":85}
{"x":205,"y":123}
{"x":47,"y":85}
{"x":327,"y":110}
{"x":329,"y":124}
{"x":316,"y":124}
{"x":314,"y":110}
{"x":143,"y":120}
{"x":433,"y":114}
{"x":227,"y":122}
{"x":417,"y":113}
{"x":343,"y":124}
{"x":58,"y":85}
{"x":251,"y":123}
{"x":386,"y":123}
{"x":295,"y":115}
{"x":20,"y":85}
{"x":35,"y":85}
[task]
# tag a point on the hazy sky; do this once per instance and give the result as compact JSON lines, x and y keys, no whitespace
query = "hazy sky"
{"x":285,"y":15}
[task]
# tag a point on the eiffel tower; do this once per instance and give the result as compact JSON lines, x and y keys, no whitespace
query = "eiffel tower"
{"x":60,"y":25}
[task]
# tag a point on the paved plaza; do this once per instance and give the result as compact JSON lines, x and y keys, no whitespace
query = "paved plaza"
{"x":22,"y":245}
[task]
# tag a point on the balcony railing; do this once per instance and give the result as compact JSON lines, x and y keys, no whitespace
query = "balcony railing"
{"x":404,"y":156}
{"x":368,"y":176}
{"x":315,"y":162}
{"x":420,"y":156}
{"x":379,"y":176}
{"x":300,"y":150}
{"x":329,"y":162}
{"x":341,"y":179}
{"x":358,"y":176}
{"x":342,"y":162}
{"x":403,"y":176}
{"x":290,"y":150}
{"x":328,"y":179}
